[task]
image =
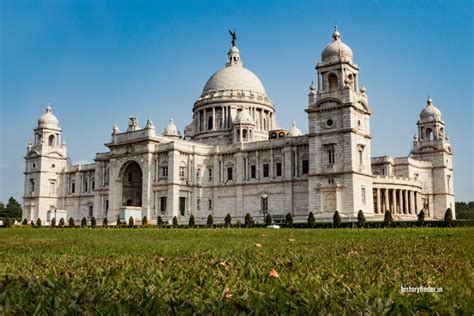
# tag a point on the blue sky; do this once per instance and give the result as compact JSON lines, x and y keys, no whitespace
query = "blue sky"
{"x":98,"y":62}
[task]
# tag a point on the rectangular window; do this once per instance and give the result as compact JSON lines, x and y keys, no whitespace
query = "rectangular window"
{"x":361,"y":157}
{"x":182,"y":171}
{"x":182,"y":205}
{"x":266,"y":170}
{"x":264,"y":204}
{"x":198,"y":204}
{"x":229,"y":173}
{"x":331,"y":159}
{"x":209,"y":171}
{"x":93,"y":184}
{"x":305,"y":167}
{"x":85,"y":186}
{"x":331,"y":180}
{"x":278,"y":169}
{"x":91,"y":210}
{"x":198,"y":174}
{"x":210,"y":204}
{"x":163,"y":204}
{"x":363,"y":195}
{"x":53,"y":187}
{"x":32,"y":186}
{"x":209,"y":123}
{"x":164,"y":172}
{"x":73,"y":187}
{"x":253,"y":171}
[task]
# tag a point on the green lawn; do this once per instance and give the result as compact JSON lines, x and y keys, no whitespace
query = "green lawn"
{"x":228,"y":270}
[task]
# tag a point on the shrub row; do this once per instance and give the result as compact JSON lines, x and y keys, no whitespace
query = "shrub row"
{"x":249,"y":222}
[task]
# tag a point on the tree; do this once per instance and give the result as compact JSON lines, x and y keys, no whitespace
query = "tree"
{"x":32,"y":224}
{"x":105,"y":222}
{"x":119,"y":223}
{"x":38,"y":222}
{"x":83,"y":222}
{"x":311,"y":220}
{"x":387,"y":219}
{"x":71,"y":222}
{"x":210,"y":221}
{"x":289,"y":220}
{"x":6,"y":222}
{"x":360,"y":219}
{"x":25,"y":222}
{"x":248,"y":221}
{"x":228,"y":220}
{"x":53,"y":222}
{"x":61,"y":222}
{"x":192,"y":221}
{"x":175,"y":221}
{"x":336,"y":219}
{"x":131,"y":222}
{"x":11,"y":210}
{"x":93,"y":222}
{"x":159,"y":221}
{"x":268,"y":219}
{"x":421,"y":218}
{"x":448,"y":218}
{"x":144,"y":221}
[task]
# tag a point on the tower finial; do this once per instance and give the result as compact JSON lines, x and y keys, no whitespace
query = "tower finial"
{"x":336,"y":35}
{"x":234,"y":37}
{"x":429,"y":101}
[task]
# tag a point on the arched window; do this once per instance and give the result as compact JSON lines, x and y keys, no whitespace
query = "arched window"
{"x":244,"y":134}
{"x":429,"y":134}
{"x":209,"y":123}
{"x":332,"y":79}
{"x":51,"y":140}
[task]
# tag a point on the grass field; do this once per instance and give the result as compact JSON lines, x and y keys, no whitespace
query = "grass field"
{"x":230,"y":270}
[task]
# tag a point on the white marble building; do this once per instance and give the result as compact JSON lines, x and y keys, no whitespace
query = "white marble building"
{"x":233,"y":158}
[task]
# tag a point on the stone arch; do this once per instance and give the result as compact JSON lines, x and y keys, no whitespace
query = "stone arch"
{"x":52,"y":140}
{"x":428,"y":134}
{"x":131,"y":176}
{"x":332,"y":81}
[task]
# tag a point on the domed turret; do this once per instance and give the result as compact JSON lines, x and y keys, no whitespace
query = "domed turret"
{"x":171,"y":130}
{"x":244,"y":118}
{"x":294,"y":131}
{"x":48,"y":120}
{"x":336,"y":50}
{"x":430,"y":112}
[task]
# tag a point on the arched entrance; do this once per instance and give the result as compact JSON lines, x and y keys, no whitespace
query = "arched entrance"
{"x":132,"y":183}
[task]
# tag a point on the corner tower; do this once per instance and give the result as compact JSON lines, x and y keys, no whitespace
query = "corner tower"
{"x":432,"y":144}
{"x":340,"y":175}
{"x":45,"y":159}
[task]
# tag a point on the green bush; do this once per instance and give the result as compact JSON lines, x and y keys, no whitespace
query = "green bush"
{"x":387,"y":219}
{"x":131,"y":222}
{"x":289,"y":220}
{"x":421,"y":218}
{"x":53,"y":222}
{"x":248,"y":220}
{"x":144,"y":221}
{"x":175,"y":221}
{"x":159,"y":221}
{"x":105,"y":222}
{"x":210,"y":221}
{"x":119,"y":223}
{"x":336,"y":219}
{"x":93,"y":222}
{"x":360,"y":219}
{"x":38,"y":222}
{"x":228,"y":220}
{"x":311,"y":220}
{"x":61,"y":222}
{"x":25,"y":222}
{"x":71,"y":222}
{"x":192,"y":221}
{"x":84,"y":222}
{"x":6,"y":222}
{"x":448,"y":218}
{"x":268,"y":219}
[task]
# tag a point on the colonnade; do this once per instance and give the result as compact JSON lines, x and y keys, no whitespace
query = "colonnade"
{"x":398,"y":201}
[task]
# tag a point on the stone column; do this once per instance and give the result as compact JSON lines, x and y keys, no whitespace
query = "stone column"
{"x":405,"y":201}
{"x":386,"y":200}
{"x":400,"y":201}
{"x":378,"y":200}
{"x":394,"y":201}
{"x":412,"y":202}
{"x":213,"y":118}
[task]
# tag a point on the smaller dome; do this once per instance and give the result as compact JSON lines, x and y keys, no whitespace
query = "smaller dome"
{"x":336,"y":50}
{"x":430,"y":112}
{"x":234,"y":49}
{"x":243,"y":117}
{"x":171,"y":130}
{"x":294,"y":131}
{"x":48,"y":120}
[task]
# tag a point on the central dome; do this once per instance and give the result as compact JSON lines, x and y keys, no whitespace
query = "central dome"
{"x":234,"y":78}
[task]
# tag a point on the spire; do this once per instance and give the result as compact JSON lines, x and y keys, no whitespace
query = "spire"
{"x":48,"y":108}
{"x":336,"y":35}
{"x":429,"y":101}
